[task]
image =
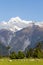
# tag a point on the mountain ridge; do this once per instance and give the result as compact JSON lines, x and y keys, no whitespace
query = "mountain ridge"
{"x":15,"y":24}
{"x":22,"y":38}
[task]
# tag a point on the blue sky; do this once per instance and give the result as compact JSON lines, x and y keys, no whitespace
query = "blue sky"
{"x":25,"y":9}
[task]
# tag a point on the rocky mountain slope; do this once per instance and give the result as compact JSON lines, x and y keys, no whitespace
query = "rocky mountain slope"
{"x":19,"y":34}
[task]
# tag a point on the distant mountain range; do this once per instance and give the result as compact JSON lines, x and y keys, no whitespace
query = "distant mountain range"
{"x":20,"y":34}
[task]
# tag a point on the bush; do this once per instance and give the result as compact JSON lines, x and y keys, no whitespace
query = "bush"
{"x":29,"y":53}
{"x":13,"y":55}
{"x":21,"y":55}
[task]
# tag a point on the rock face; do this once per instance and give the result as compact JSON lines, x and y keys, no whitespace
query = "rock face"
{"x":27,"y":37}
{"x":19,"y":34}
{"x":3,"y":50}
{"x":22,"y":39}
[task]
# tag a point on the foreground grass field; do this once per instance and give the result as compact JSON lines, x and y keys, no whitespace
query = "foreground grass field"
{"x":6,"y":61}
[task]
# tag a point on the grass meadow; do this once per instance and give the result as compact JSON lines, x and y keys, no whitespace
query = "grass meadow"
{"x":6,"y":61}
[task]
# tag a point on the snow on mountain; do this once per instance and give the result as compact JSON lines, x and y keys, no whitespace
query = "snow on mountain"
{"x":39,"y":24}
{"x":31,"y":33}
{"x":15,"y":24}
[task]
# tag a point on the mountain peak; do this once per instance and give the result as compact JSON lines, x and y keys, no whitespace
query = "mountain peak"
{"x":16,"y":19}
{"x":17,"y":24}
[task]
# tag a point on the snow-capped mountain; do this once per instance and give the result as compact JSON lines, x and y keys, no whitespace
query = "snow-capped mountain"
{"x":20,"y":40}
{"x":20,"y":34}
{"x":14,"y":24}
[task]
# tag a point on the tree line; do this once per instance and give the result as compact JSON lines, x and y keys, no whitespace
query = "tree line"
{"x":36,"y":52}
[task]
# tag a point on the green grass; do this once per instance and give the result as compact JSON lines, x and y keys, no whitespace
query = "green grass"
{"x":6,"y":61}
